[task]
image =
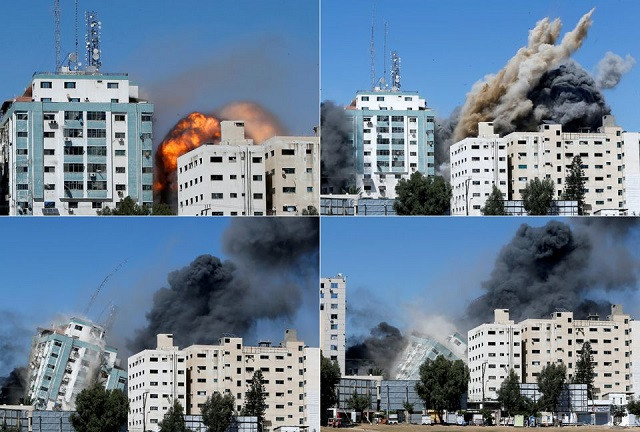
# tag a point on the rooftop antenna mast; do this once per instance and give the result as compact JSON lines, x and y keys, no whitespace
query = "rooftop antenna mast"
{"x":383,"y":81}
{"x":395,"y":71}
{"x":76,"y":52}
{"x":372,"y":52}
{"x":56,"y":14}
{"x":94,"y":25}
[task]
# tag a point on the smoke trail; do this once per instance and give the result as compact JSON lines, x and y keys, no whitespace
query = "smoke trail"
{"x":274,"y":264}
{"x":550,"y":267}
{"x":611,"y":68}
{"x":567,"y":95}
{"x":337,"y":154}
{"x":378,"y":350}
{"x":501,"y":98}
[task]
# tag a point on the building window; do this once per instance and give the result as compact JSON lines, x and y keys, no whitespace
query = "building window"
{"x":112,"y":85}
{"x":120,"y":153}
{"x":97,"y":185}
{"x":73,"y":151}
{"x":96,"y":133}
{"x":119,"y":117}
{"x":45,"y":84}
{"x":217,"y":196}
{"x":289,"y":189}
{"x":257,"y":178}
{"x":96,"y":115}
{"x":146,"y":117}
{"x":120,"y":170}
{"x":257,"y":196}
{"x":69,"y":85}
{"x":97,"y":151}
{"x":256,"y":160}
{"x":23,"y":134}
{"x":215,"y":159}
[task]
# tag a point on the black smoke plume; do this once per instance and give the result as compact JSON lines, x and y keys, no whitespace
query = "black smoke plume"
{"x":13,"y":387}
{"x":377,"y":351}
{"x":273,"y":265}
{"x":544,"y":269}
{"x":567,"y":95}
{"x":337,"y":155}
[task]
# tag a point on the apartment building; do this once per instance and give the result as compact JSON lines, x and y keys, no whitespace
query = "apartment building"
{"x":66,"y":359}
{"x":532,"y":344}
{"x":157,"y":378}
{"x":75,"y":142}
{"x":333,"y":319}
{"x":393,"y":137}
{"x":493,"y":350}
{"x":631,"y":179}
{"x":548,"y":153}
{"x":225,"y":179}
{"x":292,"y":167}
{"x":477,"y":164}
{"x":193,"y":374}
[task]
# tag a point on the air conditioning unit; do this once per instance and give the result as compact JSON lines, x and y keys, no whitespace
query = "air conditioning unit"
{"x":92,"y":175}
{"x":120,"y":194}
{"x":121,"y":140}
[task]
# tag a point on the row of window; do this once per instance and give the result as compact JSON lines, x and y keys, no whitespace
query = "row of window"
{"x":72,"y":85}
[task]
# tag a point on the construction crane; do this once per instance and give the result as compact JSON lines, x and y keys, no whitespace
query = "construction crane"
{"x":97,"y":291}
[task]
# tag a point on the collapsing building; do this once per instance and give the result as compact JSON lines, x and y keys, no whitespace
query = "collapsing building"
{"x":421,"y":348}
{"x":68,"y":358}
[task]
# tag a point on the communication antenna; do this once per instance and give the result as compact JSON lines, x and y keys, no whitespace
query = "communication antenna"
{"x":56,"y":14}
{"x":111,"y":319}
{"x":383,"y":81}
{"x":93,"y":54}
{"x":97,"y":291}
{"x":395,"y":71}
{"x":76,"y":51}
{"x":372,"y":52}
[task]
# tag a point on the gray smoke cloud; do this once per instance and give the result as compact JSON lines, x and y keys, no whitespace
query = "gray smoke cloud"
{"x":611,"y":68}
{"x":543,"y":269}
{"x":274,"y":264}
{"x":378,"y":350}
{"x":13,"y":387}
{"x":337,"y":155}
{"x":443,"y":136}
{"x":501,"y":98}
{"x":567,"y":95}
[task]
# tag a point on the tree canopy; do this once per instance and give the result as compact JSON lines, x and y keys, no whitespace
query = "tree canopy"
{"x":494,"y":205}
{"x":217,"y":412}
{"x":509,"y":396}
{"x":551,"y":382}
{"x":442,"y":384}
{"x":329,"y":379}
{"x":574,"y":185}
{"x":584,"y":369}
{"x":100,"y":410}
{"x":128,"y":207}
{"x":254,"y":399}
{"x":422,"y":195}
{"x":537,"y":196}
{"x":358,"y":403}
{"x":173,"y":420}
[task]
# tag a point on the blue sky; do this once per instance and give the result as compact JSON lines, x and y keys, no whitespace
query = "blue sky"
{"x":187,"y":55}
{"x":446,"y":47}
{"x":431,"y":265}
{"x":52,"y":266}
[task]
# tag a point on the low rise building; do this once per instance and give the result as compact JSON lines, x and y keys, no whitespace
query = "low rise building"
{"x":225,"y":179}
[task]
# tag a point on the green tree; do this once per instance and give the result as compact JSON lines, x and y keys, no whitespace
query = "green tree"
{"x":329,"y":379}
{"x":509,"y":396}
{"x":217,"y":412}
{"x":128,"y":207}
{"x":173,"y":420}
{"x":634,"y":407}
{"x":442,"y":384}
{"x":584,"y":369}
{"x":254,"y":399}
{"x":551,"y":383}
{"x":310,"y":211}
{"x":100,"y":410}
{"x":422,"y":195}
{"x":358,"y":403}
{"x":408,"y":407}
{"x":574,"y":188}
{"x":617,"y":412}
{"x":487,"y":416}
{"x":494,"y":205}
{"x":537,"y":196}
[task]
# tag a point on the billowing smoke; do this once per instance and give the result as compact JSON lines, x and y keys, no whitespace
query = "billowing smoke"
{"x":337,"y":155}
{"x":13,"y":387}
{"x":377,"y":351}
{"x":502,"y":98}
{"x":273,"y":265}
{"x":543,"y":269}
{"x":611,"y":68}
{"x":443,"y":136}
{"x":567,"y":95}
